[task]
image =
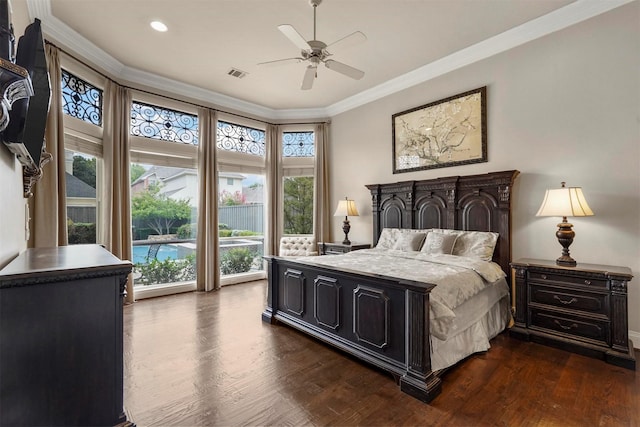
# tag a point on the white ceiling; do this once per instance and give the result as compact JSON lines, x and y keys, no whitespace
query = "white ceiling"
{"x":408,"y":41}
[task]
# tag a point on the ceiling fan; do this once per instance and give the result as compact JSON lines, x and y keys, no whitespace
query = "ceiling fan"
{"x":315,"y":52}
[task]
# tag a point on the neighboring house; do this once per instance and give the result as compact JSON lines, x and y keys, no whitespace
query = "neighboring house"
{"x":253,"y":194}
{"x":81,"y":200}
{"x":182,"y":183}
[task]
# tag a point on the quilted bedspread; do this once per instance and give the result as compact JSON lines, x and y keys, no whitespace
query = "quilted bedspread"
{"x":457,"y":278}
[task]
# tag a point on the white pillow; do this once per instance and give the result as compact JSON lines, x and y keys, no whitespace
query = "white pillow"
{"x":439,"y":243}
{"x":401,"y":239}
{"x":474,"y":244}
{"x":388,"y":238}
{"x":409,"y":240}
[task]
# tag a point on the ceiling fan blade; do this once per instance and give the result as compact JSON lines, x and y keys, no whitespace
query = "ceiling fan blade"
{"x":352,"y":39}
{"x":281,"y":62}
{"x":294,"y":36}
{"x":345,"y":69}
{"x":309,"y":77}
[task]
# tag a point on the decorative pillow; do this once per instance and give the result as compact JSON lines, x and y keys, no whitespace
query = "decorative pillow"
{"x":388,"y":238}
{"x":439,"y":243}
{"x":409,"y":240}
{"x":474,"y":244}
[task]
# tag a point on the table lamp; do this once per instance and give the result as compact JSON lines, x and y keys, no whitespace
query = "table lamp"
{"x":564,"y":202}
{"x":346,"y":208}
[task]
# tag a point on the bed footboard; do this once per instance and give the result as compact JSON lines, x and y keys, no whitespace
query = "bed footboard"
{"x":381,"y":320}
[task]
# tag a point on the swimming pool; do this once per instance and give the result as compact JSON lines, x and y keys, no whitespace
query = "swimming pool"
{"x":165,"y":252}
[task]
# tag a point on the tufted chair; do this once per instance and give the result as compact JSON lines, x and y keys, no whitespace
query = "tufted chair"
{"x":298,"y":246}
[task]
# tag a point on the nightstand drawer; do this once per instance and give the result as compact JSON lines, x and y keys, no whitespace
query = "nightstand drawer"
{"x":589,"y":302}
{"x":336,"y":250}
{"x":573,"y":326}
{"x":569,"y":280}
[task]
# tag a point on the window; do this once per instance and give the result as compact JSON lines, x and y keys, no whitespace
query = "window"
{"x":164,"y":196}
{"x":82,"y":105}
{"x":241,"y":202}
{"x":298,"y":205}
{"x":80,"y":99}
{"x":241,"y":139}
{"x":241,"y":229}
{"x":151,"y":121}
{"x":298,"y":152}
{"x":82,"y":202}
{"x":163,"y":216}
{"x":298,"y":144}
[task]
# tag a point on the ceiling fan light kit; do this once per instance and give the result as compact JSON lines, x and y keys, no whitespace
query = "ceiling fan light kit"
{"x":315,"y":52}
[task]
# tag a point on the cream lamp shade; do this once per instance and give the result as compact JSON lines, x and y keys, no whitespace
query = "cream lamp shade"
{"x":564,"y":202}
{"x":346,"y":208}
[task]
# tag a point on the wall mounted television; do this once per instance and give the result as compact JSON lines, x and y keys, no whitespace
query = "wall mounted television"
{"x":26,"y":93}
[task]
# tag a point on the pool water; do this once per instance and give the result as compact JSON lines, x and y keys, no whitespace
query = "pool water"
{"x":165,"y":252}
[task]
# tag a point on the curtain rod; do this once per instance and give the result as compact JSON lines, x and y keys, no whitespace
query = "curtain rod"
{"x":92,"y":68}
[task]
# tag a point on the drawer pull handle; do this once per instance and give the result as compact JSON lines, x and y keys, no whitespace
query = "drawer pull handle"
{"x":587,"y":282}
{"x":565,"y":302}
{"x":544,"y":277}
{"x":566,"y":328}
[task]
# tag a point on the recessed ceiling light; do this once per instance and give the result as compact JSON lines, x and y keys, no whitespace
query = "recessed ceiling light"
{"x":158,"y":26}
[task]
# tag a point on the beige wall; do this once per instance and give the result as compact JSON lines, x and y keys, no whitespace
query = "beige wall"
{"x":565,"y":107}
{"x":12,"y":212}
{"x":12,"y":204}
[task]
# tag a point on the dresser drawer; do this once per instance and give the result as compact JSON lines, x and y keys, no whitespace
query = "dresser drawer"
{"x":589,"y":302}
{"x":573,"y":326}
{"x":570,"y":280}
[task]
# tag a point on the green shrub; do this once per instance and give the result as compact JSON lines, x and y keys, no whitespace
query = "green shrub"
{"x":236,"y":233}
{"x":224,"y":233}
{"x":81,"y":232}
{"x":187,"y":231}
{"x":167,"y":271}
{"x":237,"y":260}
{"x":222,"y":226}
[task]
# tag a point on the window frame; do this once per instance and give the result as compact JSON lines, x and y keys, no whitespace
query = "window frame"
{"x":293,"y":167}
{"x":84,"y":137}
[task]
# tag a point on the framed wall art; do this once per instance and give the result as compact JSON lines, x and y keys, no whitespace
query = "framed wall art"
{"x":448,"y":132}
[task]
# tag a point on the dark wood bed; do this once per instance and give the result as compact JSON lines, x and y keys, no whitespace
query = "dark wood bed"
{"x":385,"y":320}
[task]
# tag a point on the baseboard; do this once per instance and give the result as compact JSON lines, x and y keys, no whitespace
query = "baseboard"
{"x":635,"y":337}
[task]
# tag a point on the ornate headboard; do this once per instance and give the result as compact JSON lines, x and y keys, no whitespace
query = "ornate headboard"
{"x":473,"y":203}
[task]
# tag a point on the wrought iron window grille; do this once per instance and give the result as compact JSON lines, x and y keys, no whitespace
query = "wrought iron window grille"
{"x":81,"y":99}
{"x":298,"y":144}
{"x":241,"y":139}
{"x":151,"y":121}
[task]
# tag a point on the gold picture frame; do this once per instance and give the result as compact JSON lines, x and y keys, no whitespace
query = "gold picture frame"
{"x":448,"y":132}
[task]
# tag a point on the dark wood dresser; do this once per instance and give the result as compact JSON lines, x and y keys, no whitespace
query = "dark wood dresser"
{"x":581,"y":309}
{"x":325,"y":248}
{"x":61,"y":337}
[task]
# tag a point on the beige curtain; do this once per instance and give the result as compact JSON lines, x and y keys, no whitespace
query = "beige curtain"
{"x":115,"y":195}
{"x":48,"y":205}
{"x":322,"y":212}
{"x":273,"y":208}
{"x":207,"y":257}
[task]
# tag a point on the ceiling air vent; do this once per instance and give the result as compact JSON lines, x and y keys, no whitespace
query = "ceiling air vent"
{"x":236,"y":73}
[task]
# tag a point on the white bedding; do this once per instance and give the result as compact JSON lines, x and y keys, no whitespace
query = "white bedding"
{"x":458,"y":278}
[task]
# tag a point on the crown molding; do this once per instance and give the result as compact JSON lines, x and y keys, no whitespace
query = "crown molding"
{"x":559,"y":19}
{"x":567,"y":16}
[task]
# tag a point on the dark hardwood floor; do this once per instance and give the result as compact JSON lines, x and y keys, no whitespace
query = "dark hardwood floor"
{"x":200,"y":359}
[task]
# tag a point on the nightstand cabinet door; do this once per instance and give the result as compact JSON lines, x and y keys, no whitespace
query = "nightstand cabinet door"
{"x":581,"y":309}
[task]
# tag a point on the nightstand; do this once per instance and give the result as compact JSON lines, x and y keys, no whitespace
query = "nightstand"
{"x":336,"y":248}
{"x":582,"y":309}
